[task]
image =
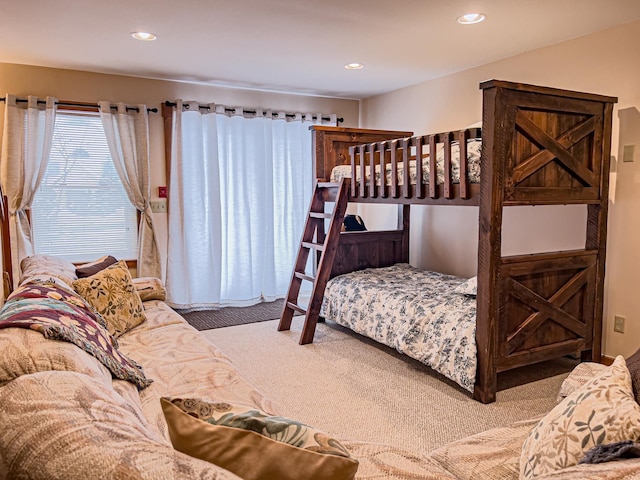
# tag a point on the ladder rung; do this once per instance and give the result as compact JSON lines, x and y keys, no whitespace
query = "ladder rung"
{"x":328,"y":185}
{"x":315,"y":246}
{"x":304,"y":276}
{"x":320,"y":215}
{"x":296,"y":307}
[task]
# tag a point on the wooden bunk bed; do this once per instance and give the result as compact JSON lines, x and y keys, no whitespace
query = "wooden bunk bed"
{"x":540,"y":146}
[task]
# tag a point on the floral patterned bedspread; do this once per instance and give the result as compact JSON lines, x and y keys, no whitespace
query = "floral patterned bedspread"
{"x":474,"y":148}
{"x":413,"y":311}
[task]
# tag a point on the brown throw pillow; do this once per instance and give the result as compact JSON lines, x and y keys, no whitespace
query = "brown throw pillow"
{"x":87,"y":269}
{"x":112,"y":294}
{"x":254,"y":445}
{"x":633,"y":364}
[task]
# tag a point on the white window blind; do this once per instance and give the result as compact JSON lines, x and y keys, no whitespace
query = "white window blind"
{"x":81,"y":210}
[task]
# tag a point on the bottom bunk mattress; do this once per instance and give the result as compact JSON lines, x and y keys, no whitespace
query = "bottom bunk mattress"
{"x":422,"y":314}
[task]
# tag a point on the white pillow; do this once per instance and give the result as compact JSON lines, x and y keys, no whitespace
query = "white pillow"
{"x":48,"y":265}
{"x":470,"y":287}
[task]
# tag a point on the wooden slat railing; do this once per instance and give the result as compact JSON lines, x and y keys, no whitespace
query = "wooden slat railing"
{"x":375,"y":157}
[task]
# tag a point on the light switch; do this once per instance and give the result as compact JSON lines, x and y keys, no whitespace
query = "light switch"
{"x":628,"y":151}
{"x":159,"y":206}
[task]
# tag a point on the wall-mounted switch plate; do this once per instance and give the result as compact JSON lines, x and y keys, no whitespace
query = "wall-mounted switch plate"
{"x":158,"y":206}
{"x":628,"y":151}
{"x":618,"y":323}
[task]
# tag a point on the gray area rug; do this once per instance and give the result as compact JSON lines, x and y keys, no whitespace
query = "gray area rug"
{"x":230,"y":316}
{"x":359,"y":390}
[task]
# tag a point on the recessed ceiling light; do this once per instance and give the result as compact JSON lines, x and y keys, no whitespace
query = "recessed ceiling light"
{"x":144,"y":36}
{"x":354,"y":66}
{"x":470,"y":18}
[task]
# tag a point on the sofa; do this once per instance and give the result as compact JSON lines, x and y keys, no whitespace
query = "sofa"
{"x":68,"y":411}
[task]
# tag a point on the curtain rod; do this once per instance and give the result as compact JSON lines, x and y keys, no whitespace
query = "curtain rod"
{"x":252,"y":112}
{"x":65,"y":103}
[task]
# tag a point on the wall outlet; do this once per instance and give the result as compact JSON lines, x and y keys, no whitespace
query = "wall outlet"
{"x":618,"y":323}
{"x":158,"y":206}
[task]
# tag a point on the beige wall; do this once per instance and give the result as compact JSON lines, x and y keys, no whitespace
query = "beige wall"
{"x":445,"y":238}
{"x":80,"y":86}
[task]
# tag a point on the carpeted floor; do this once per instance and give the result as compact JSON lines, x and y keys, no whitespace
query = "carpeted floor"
{"x":359,"y":390}
{"x":230,"y":316}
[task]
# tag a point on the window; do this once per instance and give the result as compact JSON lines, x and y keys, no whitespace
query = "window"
{"x":81,"y":210}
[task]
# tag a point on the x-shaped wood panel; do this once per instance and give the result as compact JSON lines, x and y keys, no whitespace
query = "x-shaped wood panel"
{"x":551,"y":148}
{"x":546,"y":309}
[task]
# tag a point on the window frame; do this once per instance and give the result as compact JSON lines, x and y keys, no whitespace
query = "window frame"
{"x":88,"y":108}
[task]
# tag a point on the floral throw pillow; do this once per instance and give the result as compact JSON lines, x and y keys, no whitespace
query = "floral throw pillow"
{"x":253,"y":444}
{"x":602,"y":411}
{"x":112,"y":294}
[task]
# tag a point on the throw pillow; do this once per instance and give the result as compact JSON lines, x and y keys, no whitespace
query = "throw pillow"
{"x":150,"y":288}
{"x":254,"y":445}
{"x":112,"y":294}
{"x":633,"y":364}
{"x":581,"y":374}
{"x":469,"y":287}
{"x":87,"y":269}
{"x":602,"y":411}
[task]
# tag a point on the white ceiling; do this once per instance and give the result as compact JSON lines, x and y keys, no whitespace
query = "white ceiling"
{"x":297,"y":46}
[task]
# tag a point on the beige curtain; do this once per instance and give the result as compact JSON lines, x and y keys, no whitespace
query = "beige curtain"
{"x":26,"y":145}
{"x":127,"y":132}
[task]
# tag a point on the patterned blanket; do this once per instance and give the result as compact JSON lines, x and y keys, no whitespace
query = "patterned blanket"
{"x":59,"y":314}
{"x":474,"y":148}
{"x":414,"y":311}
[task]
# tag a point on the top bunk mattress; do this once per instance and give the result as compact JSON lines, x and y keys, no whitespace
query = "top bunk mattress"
{"x":417,"y":312}
{"x":474,"y":148}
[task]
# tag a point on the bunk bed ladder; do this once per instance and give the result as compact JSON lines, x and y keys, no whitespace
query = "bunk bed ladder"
{"x":314,"y":238}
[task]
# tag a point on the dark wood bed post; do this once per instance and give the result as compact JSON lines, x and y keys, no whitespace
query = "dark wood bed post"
{"x":596,"y":237}
{"x":495,"y":145}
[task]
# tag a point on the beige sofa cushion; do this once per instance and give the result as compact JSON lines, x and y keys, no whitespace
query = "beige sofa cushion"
{"x":69,"y":425}
{"x":26,"y":351}
{"x":388,"y":462}
{"x":182,"y":362}
{"x":493,"y":454}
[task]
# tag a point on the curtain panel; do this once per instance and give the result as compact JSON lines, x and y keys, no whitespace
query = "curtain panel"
{"x":127,"y":133}
{"x":240,"y":185}
{"x":27,"y":138}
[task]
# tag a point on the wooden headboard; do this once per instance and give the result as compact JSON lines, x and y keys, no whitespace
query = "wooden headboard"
{"x":331,"y":145}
